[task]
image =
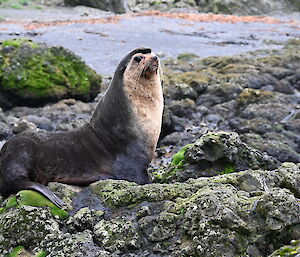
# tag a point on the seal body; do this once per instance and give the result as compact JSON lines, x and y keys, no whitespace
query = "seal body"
{"x":117,"y":143}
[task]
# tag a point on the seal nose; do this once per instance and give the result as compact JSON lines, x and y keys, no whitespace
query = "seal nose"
{"x":154,"y":58}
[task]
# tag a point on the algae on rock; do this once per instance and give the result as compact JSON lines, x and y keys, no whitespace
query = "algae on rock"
{"x":33,"y":73}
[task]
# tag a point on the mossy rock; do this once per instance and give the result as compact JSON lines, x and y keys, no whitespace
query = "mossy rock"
{"x":288,"y":250}
{"x":118,"y":193}
{"x":250,"y":96}
{"x":19,"y":251}
{"x":33,"y":74}
{"x":215,"y":153}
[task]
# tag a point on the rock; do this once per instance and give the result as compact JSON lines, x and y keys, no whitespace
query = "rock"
{"x":241,"y":94}
{"x":130,"y":193}
{"x":65,"y":192}
{"x":5,"y":131}
{"x":213,"y":154}
{"x":116,"y":235}
{"x":84,"y":219}
{"x":182,"y":91}
{"x":195,"y":218}
{"x":183,"y":108}
{"x":40,"y":122}
{"x":37,"y":74}
{"x":274,"y":144}
{"x":225,"y":7}
{"x":246,"y":8}
{"x":288,"y":250}
{"x":80,"y":244}
{"x":256,"y":125}
{"x":23,"y":125}
{"x":25,"y":226}
{"x":117,"y":6}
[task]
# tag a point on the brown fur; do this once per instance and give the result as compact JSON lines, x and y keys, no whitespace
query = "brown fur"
{"x":146,"y":96}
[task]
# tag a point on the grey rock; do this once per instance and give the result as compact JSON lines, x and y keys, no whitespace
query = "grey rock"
{"x":80,"y":244}
{"x":26,"y":226}
{"x":213,"y":154}
{"x":116,"y":235}
{"x":23,"y":125}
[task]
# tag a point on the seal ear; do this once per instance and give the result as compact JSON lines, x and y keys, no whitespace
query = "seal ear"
{"x":123,"y":64}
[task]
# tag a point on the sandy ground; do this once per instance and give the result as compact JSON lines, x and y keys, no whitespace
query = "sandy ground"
{"x":102,"y":39}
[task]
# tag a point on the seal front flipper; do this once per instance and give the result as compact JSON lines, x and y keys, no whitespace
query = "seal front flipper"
{"x":22,"y":184}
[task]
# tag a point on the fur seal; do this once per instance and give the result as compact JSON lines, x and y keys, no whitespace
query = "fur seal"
{"x":118,"y":142}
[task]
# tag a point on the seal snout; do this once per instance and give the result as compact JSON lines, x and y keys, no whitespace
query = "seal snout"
{"x":154,"y":58}
{"x":153,"y":64}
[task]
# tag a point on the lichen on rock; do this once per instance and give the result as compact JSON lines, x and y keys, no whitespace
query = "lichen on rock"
{"x":26,"y":225}
{"x":116,"y":235}
{"x":213,"y":154}
{"x":116,"y":194}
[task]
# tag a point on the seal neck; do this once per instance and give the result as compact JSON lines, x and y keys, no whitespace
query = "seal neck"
{"x":113,"y":114}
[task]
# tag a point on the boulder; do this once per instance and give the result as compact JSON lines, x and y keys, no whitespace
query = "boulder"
{"x":117,"y":6}
{"x":213,"y":154}
{"x":33,"y":74}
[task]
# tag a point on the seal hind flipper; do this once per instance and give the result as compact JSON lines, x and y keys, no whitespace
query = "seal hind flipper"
{"x":21,"y":185}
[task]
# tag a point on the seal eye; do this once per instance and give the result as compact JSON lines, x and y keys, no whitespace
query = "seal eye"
{"x":138,"y":58}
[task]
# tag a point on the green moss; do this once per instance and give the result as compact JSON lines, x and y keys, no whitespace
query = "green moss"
{"x":16,"y":251}
{"x":15,"y":6}
{"x":23,"y":2}
{"x":20,"y":251}
{"x":156,"y":3}
{"x":189,"y":78}
{"x":228,"y":169}
{"x":178,"y":158}
{"x":272,"y":42}
{"x":116,"y":194}
{"x":33,"y":71}
{"x":17,"y":42}
{"x":11,"y":202}
{"x":249,"y":96}
{"x":287,"y":251}
{"x":294,"y":41}
{"x":41,"y":254}
{"x":177,"y":163}
{"x":186,"y":56}
{"x":33,"y":198}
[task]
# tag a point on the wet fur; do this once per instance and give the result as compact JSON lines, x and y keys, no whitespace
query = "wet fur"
{"x":115,"y":144}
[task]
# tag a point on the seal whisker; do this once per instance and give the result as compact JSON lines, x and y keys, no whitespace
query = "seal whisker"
{"x":145,"y":69}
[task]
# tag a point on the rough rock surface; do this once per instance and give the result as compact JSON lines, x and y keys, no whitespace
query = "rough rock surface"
{"x":213,"y":154}
{"x":117,"y":6}
{"x":253,"y":7}
{"x":242,"y":94}
{"x":32,"y":74}
{"x":250,"y":213}
{"x":292,"y":250}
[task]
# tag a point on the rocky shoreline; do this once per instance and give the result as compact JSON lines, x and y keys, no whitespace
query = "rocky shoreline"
{"x":247,"y":205}
{"x":225,"y":176}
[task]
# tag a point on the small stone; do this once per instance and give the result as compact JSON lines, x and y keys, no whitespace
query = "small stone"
{"x":23,"y":125}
